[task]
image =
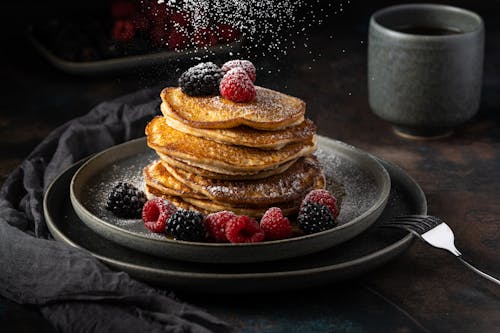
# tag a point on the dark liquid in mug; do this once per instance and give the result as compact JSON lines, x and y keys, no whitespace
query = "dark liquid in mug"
{"x":427,"y":30}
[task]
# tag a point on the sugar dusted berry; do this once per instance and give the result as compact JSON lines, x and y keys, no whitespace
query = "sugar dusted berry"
{"x":237,"y":86}
{"x":201,"y":80}
{"x":155,"y":214}
{"x":215,"y":224}
{"x":243,"y":229}
{"x":314,"y":217}
{"x":275,"y":225}
{"x":245,"y":64}
{"x":186,"y":225}
{"x":325,"y":198}
{"x":125,"y":200}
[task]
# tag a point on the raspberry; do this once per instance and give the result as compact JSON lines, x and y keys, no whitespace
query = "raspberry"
{"x":215,"y":224}
{"x":245,"y":64}
{"x":227,"y":33}
{"x":314,"y":217}
{"x":177,"y":40}
{"x":275,"y":225}
{"x":140,"y":22}
{"x":125,"y":200}
{"x":204,"y":37}
{"x":201,"y":80}
{"x":186,"y":225}
{"x":156,"y":212}
{"x":243,"y":229}
{"x":324,"y":198}
{"x":237,"y":86}
{"x":123,"y":31}
{"x":122,"y":9}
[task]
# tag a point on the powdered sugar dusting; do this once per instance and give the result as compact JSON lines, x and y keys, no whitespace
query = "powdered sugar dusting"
{"x":360,"y":188}
{"x":271,"y":27}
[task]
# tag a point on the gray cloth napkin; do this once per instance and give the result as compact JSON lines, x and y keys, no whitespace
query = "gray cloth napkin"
{"x":73,"y":290}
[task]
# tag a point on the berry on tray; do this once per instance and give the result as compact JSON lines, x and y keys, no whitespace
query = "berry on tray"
{"x":237,"y":86}
{"x":155,"y":214}
{"x":122,"y":9}
{"x":245,"y":64}
{"x":243,"y":229}
{"x":186,"y":225}
{"x":275,"y":225}
{"x":215,"y":224}
{"x":204,"y":37}
{"x":325,"y":198}
{"x":314,"y":217}
{"x":226,"y":33}
{"x":123,"y":31}
{"x":177,"y":40}
{"x":125,"y":200}
{"x":180,"y":19}
{"x":201,"y":80}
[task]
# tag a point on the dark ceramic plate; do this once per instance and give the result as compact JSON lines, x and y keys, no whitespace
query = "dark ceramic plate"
{"x":360,"y":254}
{"x":366,"y":184}
{"x":120,"y":64}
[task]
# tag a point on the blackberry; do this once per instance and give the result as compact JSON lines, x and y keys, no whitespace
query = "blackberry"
{"x":201,"y":80}
{"x":314,"y":217}
{"x":126,"y":201}
{"x":186,"y":225}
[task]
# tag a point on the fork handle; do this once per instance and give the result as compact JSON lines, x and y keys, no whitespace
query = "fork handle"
{"x":483,"y":274}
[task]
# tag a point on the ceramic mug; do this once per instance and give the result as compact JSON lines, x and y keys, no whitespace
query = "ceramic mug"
{"x":425,"y":65}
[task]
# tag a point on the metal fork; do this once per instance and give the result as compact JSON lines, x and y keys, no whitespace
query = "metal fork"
{"x":435,"y":232}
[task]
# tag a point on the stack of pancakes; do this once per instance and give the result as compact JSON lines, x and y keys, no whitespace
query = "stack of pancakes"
{"x":215,"y":154}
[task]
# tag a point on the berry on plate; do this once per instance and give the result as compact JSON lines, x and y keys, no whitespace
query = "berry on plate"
{"x":275,"y":225}
{"x":204,"y":37}
{"x":123,"y":31}
{"x":215,"y":224}
{"x":245,"y":64}
{"x":125,"y":200}
{"x":177,"y":40}
{"x":155,"y":214}
{"x":122,"y":9}
{"x":186,"y":225}
{"x":314,"y":217}
{"x":324,"y":198}
{"x":237,"y":86}
{"x":201,"y":80}
{"x":227,"y":33}
{"x":243,"y":229}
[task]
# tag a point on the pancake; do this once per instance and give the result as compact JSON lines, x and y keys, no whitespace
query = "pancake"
{"x":155,"y":175}
{"x":244,"y":135}
{"x":215,"y":156}
{"x":224,"y":176}
{"x":152,"y":192}
{"x":255,"y":212}
{"x":270,"y":110}
{"x":206,"y":206}
{"x":291,"y":185}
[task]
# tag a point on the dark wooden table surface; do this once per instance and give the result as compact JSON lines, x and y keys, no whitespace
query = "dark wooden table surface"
{"x":422,"y":290}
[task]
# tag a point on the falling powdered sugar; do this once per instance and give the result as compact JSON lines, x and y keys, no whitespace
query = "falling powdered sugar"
{"x":275,"y":24}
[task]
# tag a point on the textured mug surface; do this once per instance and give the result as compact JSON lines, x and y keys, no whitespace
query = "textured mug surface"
{"x":425,"y":84}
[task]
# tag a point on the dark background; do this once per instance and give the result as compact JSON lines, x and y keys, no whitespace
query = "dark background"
{"x":436,"y":292}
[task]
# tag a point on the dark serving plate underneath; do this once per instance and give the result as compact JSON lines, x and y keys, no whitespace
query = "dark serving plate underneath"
{"x":368,"y":250}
